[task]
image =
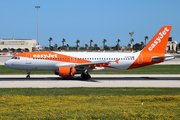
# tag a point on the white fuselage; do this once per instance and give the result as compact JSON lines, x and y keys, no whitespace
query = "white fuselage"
{"x":42,"y":63}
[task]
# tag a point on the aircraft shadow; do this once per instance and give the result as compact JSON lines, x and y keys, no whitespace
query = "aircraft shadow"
{"x":93,"y":79}
{"x":136,"y":78}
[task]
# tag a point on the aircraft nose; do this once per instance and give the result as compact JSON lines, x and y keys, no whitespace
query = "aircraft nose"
{"x":8,"y":63}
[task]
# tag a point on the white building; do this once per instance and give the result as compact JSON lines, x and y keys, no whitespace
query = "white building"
{"x":7,"y":45}
{"x":171,"y":45}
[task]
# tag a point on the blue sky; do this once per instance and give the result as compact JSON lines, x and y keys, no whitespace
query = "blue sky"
{"x":88,"y":19}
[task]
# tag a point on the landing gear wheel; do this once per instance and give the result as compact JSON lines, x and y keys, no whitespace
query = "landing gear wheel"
{"x":88,"y":77}
{"x":85,"y":76}
{"x":28,"y":77}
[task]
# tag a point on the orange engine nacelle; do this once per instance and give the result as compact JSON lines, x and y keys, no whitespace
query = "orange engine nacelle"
{"x":65,"y":71}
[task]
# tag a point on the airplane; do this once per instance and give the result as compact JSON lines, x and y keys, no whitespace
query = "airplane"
{"x":67,"y":64}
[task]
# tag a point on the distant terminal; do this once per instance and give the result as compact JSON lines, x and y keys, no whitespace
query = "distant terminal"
{"x":172,"y":45}
{"x":17,"y":45}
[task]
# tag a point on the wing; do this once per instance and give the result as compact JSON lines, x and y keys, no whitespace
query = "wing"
{"x":91,"y":65}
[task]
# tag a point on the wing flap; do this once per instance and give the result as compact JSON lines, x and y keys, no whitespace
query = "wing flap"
{"x":93,"y":63}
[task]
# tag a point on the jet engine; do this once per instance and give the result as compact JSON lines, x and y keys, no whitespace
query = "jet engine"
{"x":65,"y":71}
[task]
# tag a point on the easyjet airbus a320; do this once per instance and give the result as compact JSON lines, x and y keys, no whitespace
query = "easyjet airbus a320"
{"x":67,"y":64}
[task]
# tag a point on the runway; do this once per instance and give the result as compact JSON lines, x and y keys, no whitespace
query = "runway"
{"x":53,"y":81}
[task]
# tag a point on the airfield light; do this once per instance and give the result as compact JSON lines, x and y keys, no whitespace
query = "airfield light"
{"x":131,"y":33}
{"x":37,"y":25}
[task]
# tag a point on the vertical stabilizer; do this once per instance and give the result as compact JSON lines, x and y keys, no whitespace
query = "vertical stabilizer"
{"x":159,"y":41}
{"x":154,"y":52}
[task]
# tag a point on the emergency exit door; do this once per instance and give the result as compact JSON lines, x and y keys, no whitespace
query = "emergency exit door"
{"x":28,"y":59}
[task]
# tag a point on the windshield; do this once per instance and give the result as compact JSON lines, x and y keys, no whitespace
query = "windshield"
{"x":15,"y":58}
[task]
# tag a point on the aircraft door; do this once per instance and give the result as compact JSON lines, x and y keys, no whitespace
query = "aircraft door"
{"x":28,"y":59}
{"x":140,"y":59}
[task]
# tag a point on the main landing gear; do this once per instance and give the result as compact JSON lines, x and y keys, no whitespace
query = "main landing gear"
{"x":85,"y":75}
{"x":28,"y":75}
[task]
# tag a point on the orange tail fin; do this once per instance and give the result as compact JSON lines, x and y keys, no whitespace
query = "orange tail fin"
{"x":159,"y":41}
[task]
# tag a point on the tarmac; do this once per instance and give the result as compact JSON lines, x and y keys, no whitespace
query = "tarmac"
{"x":53,"y":81}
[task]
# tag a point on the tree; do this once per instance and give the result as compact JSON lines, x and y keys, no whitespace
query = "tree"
{"x":63,"y":41}
{"x":91,"y":44}
{"x":67,"y":46}
{"x":51,"y":48}
{"x":55,"y":47}
{"x":178,"y":45}
{"x":142,"y":44}
{"x":95,"y":46}
{"x":45,"y":49}
{"x":77,"y":42}
{"x":118,"y":46}
{"x":129,"y":45}
{"x":106,"y":47}
{"x":50,"y":39}
{"x":146,"y":38}
{"x":86,"y":45}
{"x":138,"y":46}
{"x":104,"y":41}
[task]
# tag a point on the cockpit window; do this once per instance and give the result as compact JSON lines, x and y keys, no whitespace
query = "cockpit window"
{"x":15,"y":58}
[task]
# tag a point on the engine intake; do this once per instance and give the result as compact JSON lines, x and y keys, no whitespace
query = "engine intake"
{"x":65,"y":71}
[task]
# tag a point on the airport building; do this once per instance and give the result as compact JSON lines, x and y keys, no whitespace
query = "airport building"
{"x":171,"y":45}
{"x":17,"y":45}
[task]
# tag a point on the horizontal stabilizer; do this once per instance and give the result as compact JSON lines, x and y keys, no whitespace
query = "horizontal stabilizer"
{"x":166,"y":58}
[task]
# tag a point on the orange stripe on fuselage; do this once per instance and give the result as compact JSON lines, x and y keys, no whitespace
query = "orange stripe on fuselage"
{"x":52,"y":57}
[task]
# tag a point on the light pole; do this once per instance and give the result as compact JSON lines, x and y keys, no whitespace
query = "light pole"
{"x":37,"y":26}
{"x":131,"y":33}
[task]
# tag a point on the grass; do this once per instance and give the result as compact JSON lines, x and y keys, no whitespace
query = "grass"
{"x":153,"y":69}
{"x":89,"y":91}
{"x":89,"y":103}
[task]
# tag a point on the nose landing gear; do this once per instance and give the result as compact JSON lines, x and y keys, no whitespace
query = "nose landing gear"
{"x":28,"y":75}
